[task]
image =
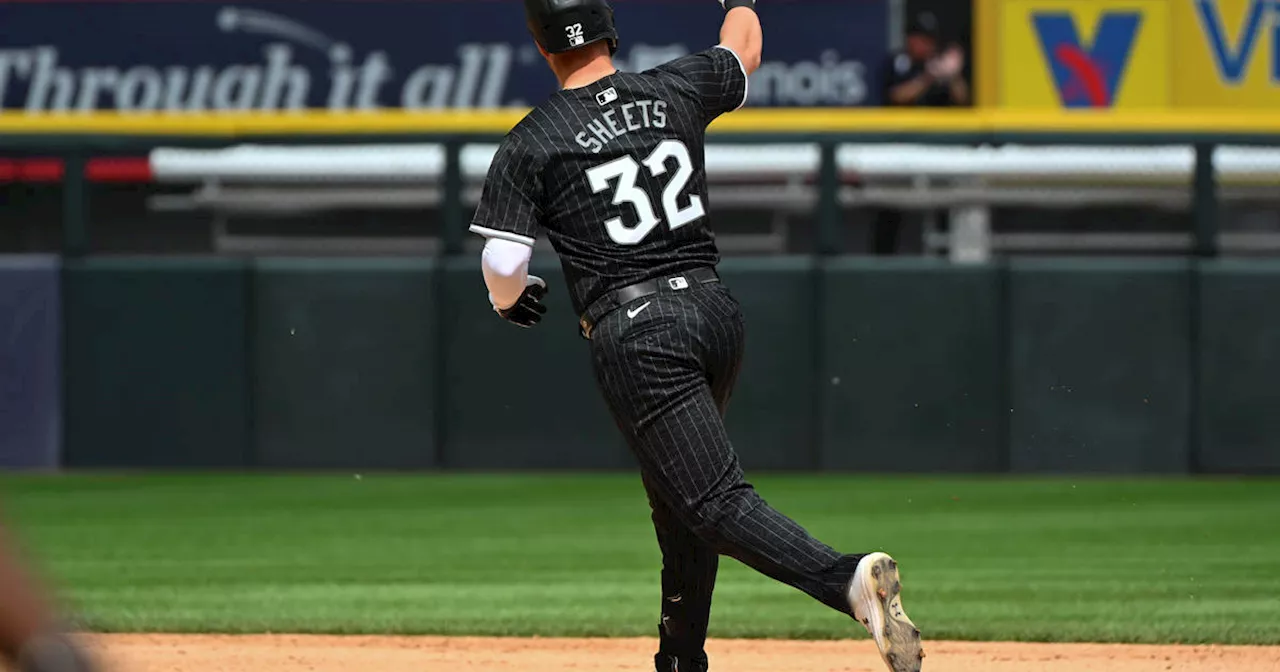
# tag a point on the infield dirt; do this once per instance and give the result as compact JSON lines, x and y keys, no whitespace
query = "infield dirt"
{"x":310,"y":653}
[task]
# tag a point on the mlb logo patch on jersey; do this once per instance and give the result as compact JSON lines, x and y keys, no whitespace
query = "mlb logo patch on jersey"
{"x":607,"y":96}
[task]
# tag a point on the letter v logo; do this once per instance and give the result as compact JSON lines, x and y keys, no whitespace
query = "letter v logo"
{"x":1087,"y":76}
{"x":1233,"y":64}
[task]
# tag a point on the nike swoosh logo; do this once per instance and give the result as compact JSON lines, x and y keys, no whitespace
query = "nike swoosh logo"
{"x":632,"y":313}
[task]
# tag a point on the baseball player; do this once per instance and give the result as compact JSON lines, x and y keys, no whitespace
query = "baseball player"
{"x":611,"y":168}
{"x":29,"y":635}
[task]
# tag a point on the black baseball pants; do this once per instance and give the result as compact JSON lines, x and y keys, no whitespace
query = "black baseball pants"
{"x":667,"y":372}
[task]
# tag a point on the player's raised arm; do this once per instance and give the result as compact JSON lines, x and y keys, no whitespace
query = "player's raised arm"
{"x":741,"y":32}
{"x":717,"y":78}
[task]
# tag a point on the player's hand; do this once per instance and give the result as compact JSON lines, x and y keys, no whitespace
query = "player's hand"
{"x":528,"y":309}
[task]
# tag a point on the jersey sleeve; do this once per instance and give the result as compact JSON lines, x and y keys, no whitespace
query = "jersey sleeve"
{"x":716,"y":75}
{"x":510,"y":203}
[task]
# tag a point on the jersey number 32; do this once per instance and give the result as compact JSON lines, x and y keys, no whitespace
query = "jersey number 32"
{"x":625,"y":170}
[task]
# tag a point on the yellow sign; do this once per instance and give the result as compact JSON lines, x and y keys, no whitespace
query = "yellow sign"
{"x":1189,"y":54}
{"x":1227,"y":53}
{"x":1084,"y":54}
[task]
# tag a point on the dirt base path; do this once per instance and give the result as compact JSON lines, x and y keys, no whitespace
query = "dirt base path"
{"x":305,"y":653}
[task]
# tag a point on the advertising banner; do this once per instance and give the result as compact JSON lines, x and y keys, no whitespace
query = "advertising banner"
{"x":282,"y":55}
{"x":1084,"y":53}
{"x":1227,"y":53}
{"x":1138,"y":54}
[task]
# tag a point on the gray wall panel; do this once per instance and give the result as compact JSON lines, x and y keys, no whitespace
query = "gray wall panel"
{"x":773,"y":419}
{"x":1240,"y":367}
{"x":1100,"y":363}
{"x":30,"y":362}
{"x":156,"y":363}
{"x":912,"y":367}
{"x":345,"y":363}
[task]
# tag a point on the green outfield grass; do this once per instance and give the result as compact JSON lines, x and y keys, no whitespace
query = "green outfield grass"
{"x":1052,"y":560}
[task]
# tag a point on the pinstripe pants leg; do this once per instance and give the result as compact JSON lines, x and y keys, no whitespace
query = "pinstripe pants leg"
{"x":689,"y":568}
{"x":667,"y":375}
{"x":689,"y":565}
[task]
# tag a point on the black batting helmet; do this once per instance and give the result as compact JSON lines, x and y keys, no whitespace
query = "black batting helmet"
{"x":562,"y":25}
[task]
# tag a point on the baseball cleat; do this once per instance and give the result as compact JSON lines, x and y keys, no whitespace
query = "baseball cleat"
{"x":875,"y":593}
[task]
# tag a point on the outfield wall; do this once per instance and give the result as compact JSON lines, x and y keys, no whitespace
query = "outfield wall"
{"x":852,"y":364}
{"x":886,"y":365}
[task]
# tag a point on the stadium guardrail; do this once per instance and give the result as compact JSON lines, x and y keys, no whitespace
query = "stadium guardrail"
{"x":1195,"y":135}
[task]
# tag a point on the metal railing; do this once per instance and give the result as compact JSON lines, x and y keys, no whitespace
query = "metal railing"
{"x":830,"y":192}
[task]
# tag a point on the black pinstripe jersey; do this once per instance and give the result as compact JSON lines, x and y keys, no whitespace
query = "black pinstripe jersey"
{"x":614,"y":173}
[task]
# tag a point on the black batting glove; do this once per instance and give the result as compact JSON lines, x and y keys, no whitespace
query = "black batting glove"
{"x":730,"y":4}
{"x":528,"y":309}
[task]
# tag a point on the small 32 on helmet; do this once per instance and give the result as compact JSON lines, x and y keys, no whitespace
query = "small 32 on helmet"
{"x":563,"y":25}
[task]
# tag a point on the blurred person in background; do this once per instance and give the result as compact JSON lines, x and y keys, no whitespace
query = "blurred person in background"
{"x":923,"y":74}
{"x":31,"y":638}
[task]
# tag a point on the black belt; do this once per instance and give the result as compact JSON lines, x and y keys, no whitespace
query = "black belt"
{"x":622,"y":296}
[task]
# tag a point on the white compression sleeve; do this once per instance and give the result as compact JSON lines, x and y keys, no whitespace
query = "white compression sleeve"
{"x":506,"y":270}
